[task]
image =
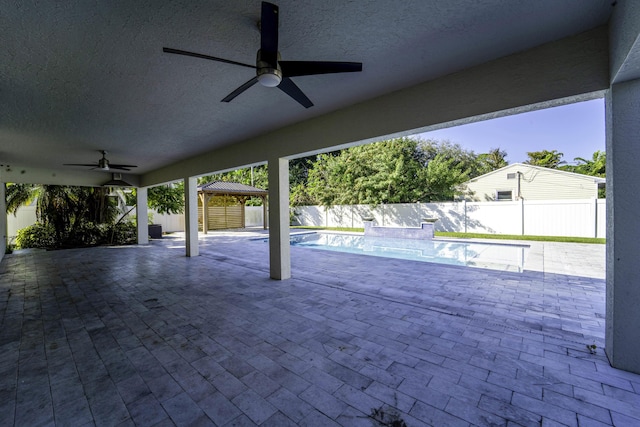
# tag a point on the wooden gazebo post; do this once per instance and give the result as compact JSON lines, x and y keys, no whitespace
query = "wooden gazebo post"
{"x":264,"y":212}
{"x":204,"y":198}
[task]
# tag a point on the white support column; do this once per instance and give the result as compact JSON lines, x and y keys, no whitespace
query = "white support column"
{"x":622,"y":333}
{"x":279,"y":249}
{"x":142,"y":216}
{"x":3,"y":219}
{"x":191,"y":216}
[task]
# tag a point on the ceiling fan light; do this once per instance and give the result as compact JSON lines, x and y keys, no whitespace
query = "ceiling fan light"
{"x":270,"y":78}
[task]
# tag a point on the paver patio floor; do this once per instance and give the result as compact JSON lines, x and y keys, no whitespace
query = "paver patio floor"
{"x":143,"y":335}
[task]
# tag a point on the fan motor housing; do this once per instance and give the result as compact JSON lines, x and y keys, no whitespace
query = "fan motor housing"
{"x":103,"y":164}
{"x":269,"y":75}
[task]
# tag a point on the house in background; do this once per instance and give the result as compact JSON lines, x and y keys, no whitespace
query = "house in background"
{"x":520,"y":181}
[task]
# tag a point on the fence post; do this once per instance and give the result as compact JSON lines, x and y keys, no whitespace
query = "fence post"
{"x":351,"y":208}
{"x":522,"y":216}
{"x":464,"y":213}
{"x":595,"y":217}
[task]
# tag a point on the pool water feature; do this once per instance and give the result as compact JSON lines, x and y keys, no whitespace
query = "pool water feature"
{"x":495,"y":256}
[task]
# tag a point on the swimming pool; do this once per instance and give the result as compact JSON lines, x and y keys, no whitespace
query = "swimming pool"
{"x":506,"y":257}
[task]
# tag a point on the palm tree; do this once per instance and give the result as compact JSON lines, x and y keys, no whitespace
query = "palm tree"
{"x":597,"y":166}
{"x":63,"y":207}
{"x":19,"y":195}
{"x":545,"y":158}
{"x":493,"y":160}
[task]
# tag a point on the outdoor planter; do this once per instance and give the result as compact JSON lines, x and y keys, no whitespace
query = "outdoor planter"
{"x":155,"y":231}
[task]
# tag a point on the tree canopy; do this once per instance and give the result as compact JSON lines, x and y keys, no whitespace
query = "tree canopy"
{"x":400,"y":170}
{"x":545,"y":158}
{"x":383,"y":172}
{"x":493,"y":160}
{"x":596,"y":166}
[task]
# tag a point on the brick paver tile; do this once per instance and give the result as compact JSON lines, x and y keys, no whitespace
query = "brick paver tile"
{"x":139,"y":334}
{"x":254,"y":406}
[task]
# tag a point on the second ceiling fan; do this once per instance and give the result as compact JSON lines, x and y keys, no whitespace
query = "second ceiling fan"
{"x":270,"y":70}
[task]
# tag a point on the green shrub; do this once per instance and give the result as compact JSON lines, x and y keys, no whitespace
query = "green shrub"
{"x":122,"y":233}
{"x":86,"y":234}
{"x":36,"y":236}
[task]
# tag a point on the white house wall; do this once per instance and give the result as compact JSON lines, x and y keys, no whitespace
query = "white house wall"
{"x":535,"y":184}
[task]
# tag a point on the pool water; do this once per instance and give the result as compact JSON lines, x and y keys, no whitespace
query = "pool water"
{"x":506,"y":257}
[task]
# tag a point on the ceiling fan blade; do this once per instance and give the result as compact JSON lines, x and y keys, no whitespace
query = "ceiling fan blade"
{"x":80,"y":164}
{"x":200,"y":55}
{"x":269,"y":33}
{"x":239,"y":90}
{"x":117,"y":166}
{"x":308,"y":68}
{"x":289,"y":87}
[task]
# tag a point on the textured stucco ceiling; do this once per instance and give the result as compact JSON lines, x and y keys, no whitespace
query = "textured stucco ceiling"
{"x":78,"y":76}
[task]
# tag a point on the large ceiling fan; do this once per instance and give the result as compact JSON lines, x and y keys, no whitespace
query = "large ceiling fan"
{"x":270,"y":70}
{"x":103,"y":164}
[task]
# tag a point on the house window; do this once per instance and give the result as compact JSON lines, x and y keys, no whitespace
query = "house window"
{"x":505,"y":195}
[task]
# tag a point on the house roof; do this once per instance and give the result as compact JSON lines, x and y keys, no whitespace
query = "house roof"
{"x":559,"y":172}
{"x":231,"y":189}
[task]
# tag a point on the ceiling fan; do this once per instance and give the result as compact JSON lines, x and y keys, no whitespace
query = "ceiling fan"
{"x":270,"y":70}
{"x":103,"y":164}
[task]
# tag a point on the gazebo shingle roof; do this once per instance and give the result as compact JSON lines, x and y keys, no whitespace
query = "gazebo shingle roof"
{"x":231,"y":188}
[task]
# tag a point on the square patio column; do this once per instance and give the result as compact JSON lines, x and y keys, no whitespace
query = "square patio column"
{"x":622,"y":333}
{"x":3,"y":219}
{"x":279,"y":250}
{"x":191,"y":216}
{"x":142,"y":216}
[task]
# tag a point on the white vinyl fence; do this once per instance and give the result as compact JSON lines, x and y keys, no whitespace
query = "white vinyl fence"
{"x":575,"y":218}
{"x":26,"y":216}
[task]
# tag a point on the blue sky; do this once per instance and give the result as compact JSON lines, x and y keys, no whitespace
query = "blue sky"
{"x":577,"y":130}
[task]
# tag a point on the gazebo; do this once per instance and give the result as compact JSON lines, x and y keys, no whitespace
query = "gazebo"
{"x":225,"y":204}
